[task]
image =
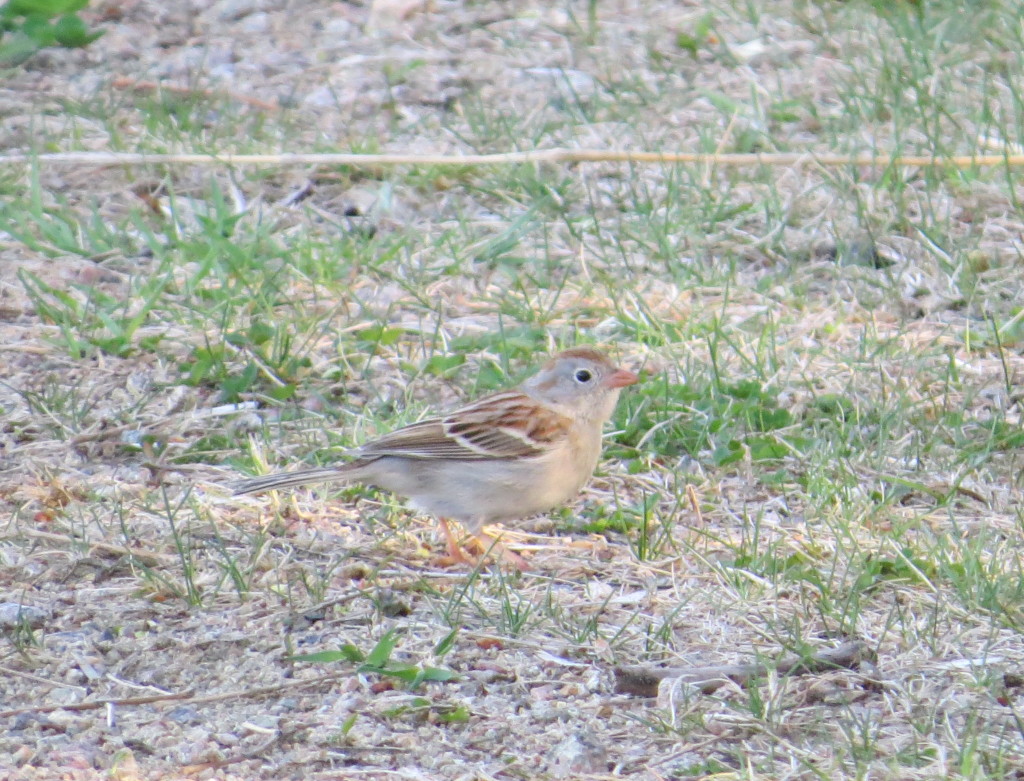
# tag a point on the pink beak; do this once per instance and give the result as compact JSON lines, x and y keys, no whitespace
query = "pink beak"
{"x":620,"y":378}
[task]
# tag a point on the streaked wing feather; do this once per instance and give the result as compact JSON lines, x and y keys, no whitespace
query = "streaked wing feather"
{"x":504,"y":425}
{"x":425,"y":439}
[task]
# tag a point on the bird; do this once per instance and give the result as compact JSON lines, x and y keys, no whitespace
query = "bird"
{"x":506,"y":456}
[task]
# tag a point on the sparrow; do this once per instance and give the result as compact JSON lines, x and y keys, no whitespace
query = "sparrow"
{"x":506,"y":456}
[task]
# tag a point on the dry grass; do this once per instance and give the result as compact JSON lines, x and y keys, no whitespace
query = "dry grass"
{"x":827,"y":445}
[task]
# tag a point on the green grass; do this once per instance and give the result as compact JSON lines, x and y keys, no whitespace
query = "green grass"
{"x":827,"y":443}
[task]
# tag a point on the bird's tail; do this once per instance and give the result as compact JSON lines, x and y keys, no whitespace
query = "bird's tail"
{"x":255,"y":485}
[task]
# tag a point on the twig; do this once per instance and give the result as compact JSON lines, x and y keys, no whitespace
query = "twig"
{"x":186,"y":697}
{"x":643,"y":681}
{"x":344,"y":751}
{"x":146,"y":557}
{"x":152,"y":86}
{"x":114,"y":432}
{"x":97,"y":704}
{"x":40,"y":679}
{"x":514,"y":158}
{"x":253,"y":753}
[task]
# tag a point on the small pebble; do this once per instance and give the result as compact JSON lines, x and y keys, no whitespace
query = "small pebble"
{"x":14,"y":615}
{"x":582,"y":753}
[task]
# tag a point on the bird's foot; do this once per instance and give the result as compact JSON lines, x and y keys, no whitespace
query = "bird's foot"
{"x":493,"y":545}
{"x":455,"y":552}
{"x":485,"y":544}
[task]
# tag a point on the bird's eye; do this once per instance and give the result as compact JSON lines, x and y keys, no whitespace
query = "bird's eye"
{"x":583,"y":375}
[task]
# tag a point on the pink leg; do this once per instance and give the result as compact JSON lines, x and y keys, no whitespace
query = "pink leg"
{"x":486,"y":542}
{"x":454,"y":550}
{"x":509,"y":556}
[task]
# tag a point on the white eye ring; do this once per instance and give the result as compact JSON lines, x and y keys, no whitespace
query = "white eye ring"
{"x":583,"y":375}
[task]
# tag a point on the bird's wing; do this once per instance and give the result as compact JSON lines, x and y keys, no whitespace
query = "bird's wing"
{"x":503,"y":425}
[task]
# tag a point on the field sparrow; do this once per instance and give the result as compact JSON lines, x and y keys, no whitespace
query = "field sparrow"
{"x":506,"y":456}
